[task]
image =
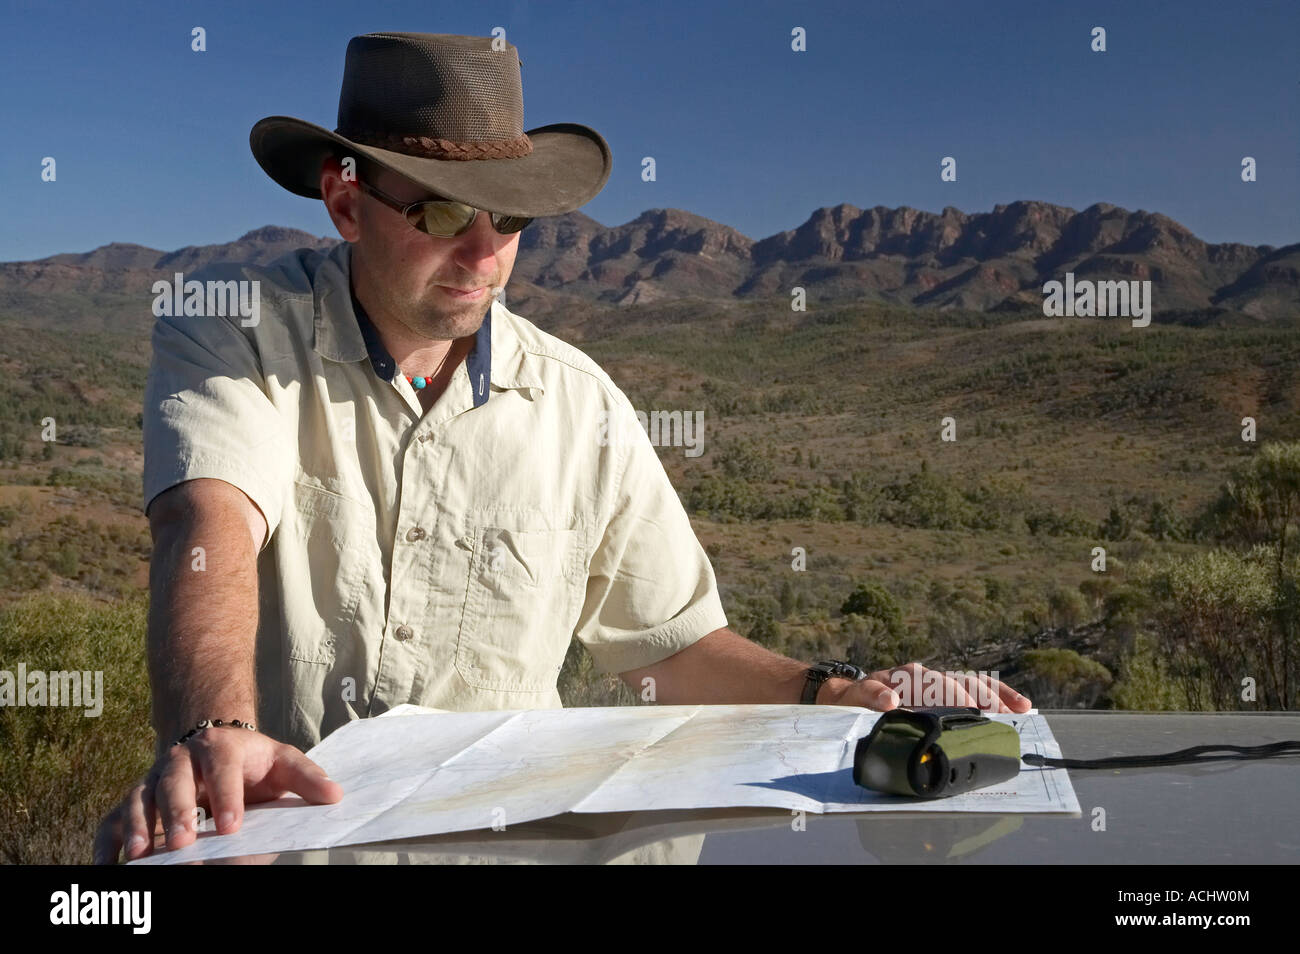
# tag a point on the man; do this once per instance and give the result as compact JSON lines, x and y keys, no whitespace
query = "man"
{"x":387,"y":487}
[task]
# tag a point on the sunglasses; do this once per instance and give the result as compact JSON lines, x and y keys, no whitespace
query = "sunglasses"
{"x":443,"y":218}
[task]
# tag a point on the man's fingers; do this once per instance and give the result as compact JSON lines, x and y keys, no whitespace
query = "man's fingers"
{"x":128,"y":828}
{"x":918,"y":686}
{"x":905,"y":681}
{"x":1013,"y":700}
{"x":993,"y":695}
{"x":877,"y":695}
{"x":176,"y":796}
{"x":962,"y":691}
{"x":223,"y":780}
{"x":972,"y":690}
{"x":294,"y":772}
{"x":108,"y":839}
{"x":140,"y":813}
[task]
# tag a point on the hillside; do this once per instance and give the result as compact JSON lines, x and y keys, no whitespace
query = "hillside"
{"x":984,"y":261}
{"x":812,"y":424}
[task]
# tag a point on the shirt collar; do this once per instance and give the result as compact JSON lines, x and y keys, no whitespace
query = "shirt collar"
{"x":343,"y":332}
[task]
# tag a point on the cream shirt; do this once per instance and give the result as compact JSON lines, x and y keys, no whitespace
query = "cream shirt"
{"x":444,"y":559}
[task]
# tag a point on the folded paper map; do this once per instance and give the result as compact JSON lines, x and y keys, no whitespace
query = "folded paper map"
{"x":414,"y":772}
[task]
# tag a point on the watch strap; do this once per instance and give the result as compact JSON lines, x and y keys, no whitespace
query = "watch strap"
{"x":819,"y":672}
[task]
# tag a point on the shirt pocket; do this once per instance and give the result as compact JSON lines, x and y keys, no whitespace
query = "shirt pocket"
{"x":322,"y":570}
{"x":522,"y":602}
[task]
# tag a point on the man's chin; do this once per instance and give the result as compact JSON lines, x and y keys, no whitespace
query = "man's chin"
{"x":454,"y":324}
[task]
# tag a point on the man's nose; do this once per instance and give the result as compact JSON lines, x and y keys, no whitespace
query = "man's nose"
{"x":479,"y":243}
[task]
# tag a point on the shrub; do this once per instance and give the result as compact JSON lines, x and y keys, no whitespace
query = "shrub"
{"x":61,"y":771}
{"x":1145,"y":683}
{"x":1066,"y":608}
{"x":1215,"y":621}
{"x":1062,"y":679}
{"x":746,"y":460}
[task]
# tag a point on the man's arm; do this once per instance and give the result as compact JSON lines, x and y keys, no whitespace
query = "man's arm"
{"x":202,"y":622}
{"x":725,"y":667}
{"x":202,"y":634}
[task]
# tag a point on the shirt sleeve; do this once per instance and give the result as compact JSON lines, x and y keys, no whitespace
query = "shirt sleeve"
{"x":651,"y":590}
{"x":207,"y":414}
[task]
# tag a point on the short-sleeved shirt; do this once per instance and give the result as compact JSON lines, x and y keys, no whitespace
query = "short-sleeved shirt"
{"x":445,"y":558}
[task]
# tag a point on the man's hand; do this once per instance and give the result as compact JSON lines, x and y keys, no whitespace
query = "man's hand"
{"x":914,"y":685}
{"x":724,"y":667}
{"x":223,"y":767}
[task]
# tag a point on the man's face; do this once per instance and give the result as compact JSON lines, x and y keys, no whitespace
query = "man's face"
{"x":403,"y":270}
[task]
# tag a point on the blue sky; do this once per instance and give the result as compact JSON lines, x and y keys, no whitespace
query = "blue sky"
{"x":151,"y":139}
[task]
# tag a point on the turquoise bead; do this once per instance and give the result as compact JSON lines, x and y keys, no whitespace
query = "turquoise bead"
{"x":419,"y":383}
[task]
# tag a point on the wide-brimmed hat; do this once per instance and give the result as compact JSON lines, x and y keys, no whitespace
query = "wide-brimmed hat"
{"x":446,"y":111}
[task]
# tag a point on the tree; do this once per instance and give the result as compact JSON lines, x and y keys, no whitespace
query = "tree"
{"x":1116,"y":526}
{"x":787,"y":599}
{"x":747,"y":460}
{"x":765,"y":631}
{"x":1094,"y":590}
{"x":1212,"y":616}
{"x":1260,"y":503}
{"x":874,"y":601}
{"x":1164,"y":524}
{"x":960,"y":626}
{"x":873,"y":644}
{"x":1061,"y":678}
{"x":1066,"y":608}
{"x":1144,"y":681}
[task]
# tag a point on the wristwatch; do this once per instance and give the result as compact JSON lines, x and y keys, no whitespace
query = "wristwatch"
{"x":819,"y":672}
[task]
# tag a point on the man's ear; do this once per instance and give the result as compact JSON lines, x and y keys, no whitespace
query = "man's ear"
{"x":339,"y":192}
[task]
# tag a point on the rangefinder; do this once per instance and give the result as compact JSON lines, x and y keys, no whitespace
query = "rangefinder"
{"x":935,"y":752}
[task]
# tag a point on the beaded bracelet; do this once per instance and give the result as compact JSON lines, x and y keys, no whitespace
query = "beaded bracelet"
{"x":208,"y":723}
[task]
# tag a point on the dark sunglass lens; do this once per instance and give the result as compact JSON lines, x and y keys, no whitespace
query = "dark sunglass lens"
{"x":509,"y":224}
{"x":443,"y":219}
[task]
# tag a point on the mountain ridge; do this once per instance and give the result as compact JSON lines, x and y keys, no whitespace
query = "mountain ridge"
{"x":952,"y":259}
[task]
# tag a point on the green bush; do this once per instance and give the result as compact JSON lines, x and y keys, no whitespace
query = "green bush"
{"x":1219,"y":617}
{"x":872,"y":643}
{"x":874,"y":601}
{"x":579,"y":683}
{"x":1066,"y":608}
{"x":59,"y":770}
{"x":104,"y":557}
{"x":1144,"y":682}
{"x":1116,"y":526}
{"x":1164,"y":524}
{"x":746,"y":460}
{"x":1062,"y":679}
{"x":929,"y":501}
{"x":1052,"y":524}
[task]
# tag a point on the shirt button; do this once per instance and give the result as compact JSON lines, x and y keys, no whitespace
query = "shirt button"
{"x":414,"y":534}
{"x":403,"y":633}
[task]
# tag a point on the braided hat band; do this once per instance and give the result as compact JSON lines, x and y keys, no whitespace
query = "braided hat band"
{"x":426,"y":147}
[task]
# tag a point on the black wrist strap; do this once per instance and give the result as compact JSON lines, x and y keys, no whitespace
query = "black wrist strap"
{"x":819,"y":672}
{"x":812,"y":684}
{"x":1196,"y":753}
